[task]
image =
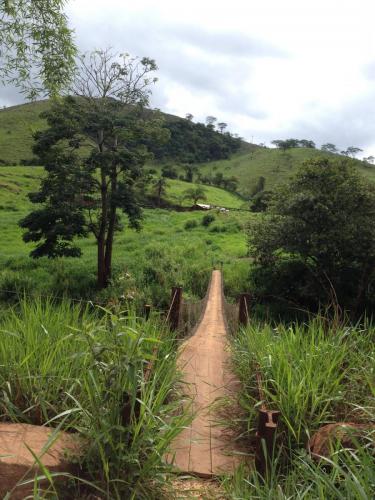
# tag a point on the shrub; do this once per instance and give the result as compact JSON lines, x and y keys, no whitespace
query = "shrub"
{"x":207,"y":220}
{"x":218,"y":229}
{"x":190,"y":224}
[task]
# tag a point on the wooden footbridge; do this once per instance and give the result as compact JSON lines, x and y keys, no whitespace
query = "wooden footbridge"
{"x":208,"y":446}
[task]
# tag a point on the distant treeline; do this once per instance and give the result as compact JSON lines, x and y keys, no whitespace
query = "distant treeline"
{"x":195,"y":143}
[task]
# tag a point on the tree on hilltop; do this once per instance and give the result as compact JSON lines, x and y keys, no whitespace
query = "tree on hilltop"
{"x":93,"y":155}
{"x":369,"y":160}
{"x":353,"y":151}
{"x":222,"y":126}
{"x":329,"y":147}
{"x":210,"y":121}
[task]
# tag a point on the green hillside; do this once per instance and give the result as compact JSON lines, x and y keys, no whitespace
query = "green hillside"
{"x":273,"y":164}
{"x":18,"y":123}
{"x":215,"y":196}
{"x":17,"y":181}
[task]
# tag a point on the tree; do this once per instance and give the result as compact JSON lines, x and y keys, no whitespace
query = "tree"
{"x":189,"y":117}
{"x":160,"y":188}
{"x":260,"y":201}
{"x":284,"y":145}
{"x":210,"y":121}
{"x":93,"y":154}
{"x":260,"y":185}
{"x":304,"y":143}
{"x":37,"y":52}
{"x":293,"y":143}
{"x":353,"y":151}
{"x":318,"y":238}
{"x":195,"y":194}
{"x":331,"y":148}
{"x":189,"y":172}
{"x":222,"y":126}
{"x":169,"y":171}
{"x":369,"y":160}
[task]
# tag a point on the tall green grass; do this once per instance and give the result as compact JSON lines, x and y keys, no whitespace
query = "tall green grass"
{"x":347,"y":475}
{"x":84,"y":369}
{"x":313,"y":374}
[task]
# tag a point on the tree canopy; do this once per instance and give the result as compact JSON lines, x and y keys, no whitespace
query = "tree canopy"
{"x":317,"y":242}
{"x":293,"y":143}
{"x":195,"y":194}
{"x":37,"y":50}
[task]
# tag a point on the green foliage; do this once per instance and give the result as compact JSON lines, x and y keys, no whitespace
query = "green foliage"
{"x":321,"y":223}
{"x":36,"y":46}
{"x":260,"y":201}
{"x":169,"y":171}
{"x":228,"y":183}
{"x":331,"y":148}
{"x":195,"y":143}
{"x":84,"y":369}
{"x":162,"y":229}
{"x":293,"y":143}
{"x":195,"y":194}
{"x":259,"y":186}
{"x":207,"y":220}
{"x":190,"y":224}
{"x":93,"y":155}
{"x":313,"y":373}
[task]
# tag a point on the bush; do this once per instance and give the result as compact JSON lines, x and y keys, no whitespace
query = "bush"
{"x":218,"y":229}
{"x":190,"y":224}
{"x":169,"y":172}
{"x":319,"y":230}
{"x":207,"y":219}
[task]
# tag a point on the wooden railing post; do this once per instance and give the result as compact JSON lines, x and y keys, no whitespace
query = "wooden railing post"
{"x":174,"y":308}
{"x":244,"y":309}
{"x":266,"y":437}
{"x":146,"y":311}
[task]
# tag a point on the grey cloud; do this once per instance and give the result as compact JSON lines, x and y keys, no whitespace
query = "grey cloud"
{"x":10,"y":96}
{"x":225,"y":43}
{"x":351,"y":125}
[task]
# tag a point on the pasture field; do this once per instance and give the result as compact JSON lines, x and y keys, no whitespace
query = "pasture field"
{"x":146,"y":263}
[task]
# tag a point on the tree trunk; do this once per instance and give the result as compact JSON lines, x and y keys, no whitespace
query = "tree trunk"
{"x":111,"y":228}
{"x":101,"y":271}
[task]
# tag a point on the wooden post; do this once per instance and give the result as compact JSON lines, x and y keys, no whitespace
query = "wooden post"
{"x":266,"y":436}
{"x":175,"y":306}
{"x":147,"y":310}
{"x":244,"y":309}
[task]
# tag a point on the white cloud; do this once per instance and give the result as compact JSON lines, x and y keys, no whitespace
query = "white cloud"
{"x":270,"y":69}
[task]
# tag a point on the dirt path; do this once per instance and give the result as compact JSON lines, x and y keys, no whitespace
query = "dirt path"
{"x":206,"y":448}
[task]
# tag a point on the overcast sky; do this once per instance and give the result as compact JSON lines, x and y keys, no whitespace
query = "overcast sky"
{"x":271,"y":69}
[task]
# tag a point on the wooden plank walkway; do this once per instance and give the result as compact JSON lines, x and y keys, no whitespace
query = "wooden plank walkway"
{"x":207,"y":447}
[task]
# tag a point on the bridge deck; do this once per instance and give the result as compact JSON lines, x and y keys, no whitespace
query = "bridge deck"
{"x":207,"y":447}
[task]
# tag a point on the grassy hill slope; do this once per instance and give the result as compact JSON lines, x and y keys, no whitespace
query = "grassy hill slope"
{"x":273,"y":164}
{"x":17,"y":181}
{"x":18,"y":123}
{"x":215,"y":196}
